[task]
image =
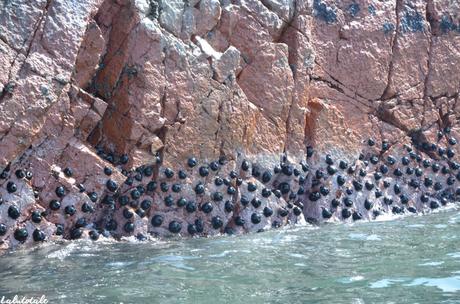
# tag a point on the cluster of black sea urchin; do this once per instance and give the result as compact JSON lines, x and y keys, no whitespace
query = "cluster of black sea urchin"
{"x":388,"y":184}
{"x":375,"y":183}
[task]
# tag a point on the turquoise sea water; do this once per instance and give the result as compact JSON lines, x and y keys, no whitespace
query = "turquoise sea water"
{"x":406,"y":260}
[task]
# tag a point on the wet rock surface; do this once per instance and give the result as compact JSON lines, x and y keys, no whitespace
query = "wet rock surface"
{"x":140,"y":118}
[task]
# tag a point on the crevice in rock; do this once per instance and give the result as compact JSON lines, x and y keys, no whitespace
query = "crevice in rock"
{"x":338,"y":88}
{"x":443,"y":95}
{"x":289,"y":57}
{"x":341,"y":87}
{"x":106,"y":62}
{"x":31,"y":40}
{"x":386,"y":116}
{"x":37,"y":27}
{"x":154,"y":10}
{"x":286,"y":23}
{"x":387,"y":94}
{"x":418,"y":138}
{"x":267,"y":6}
{"x":426,"y":98}
{"x":218,"y":146}
{"x":99,"y":89}
{"x":417,"y":135}
{"x":248,"y":63}
{"x":310,"y":122}
{"x":162,"y":134}
{"x":288,"y":120}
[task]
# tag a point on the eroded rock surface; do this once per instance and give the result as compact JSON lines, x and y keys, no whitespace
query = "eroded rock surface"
{"x":164,"y":117}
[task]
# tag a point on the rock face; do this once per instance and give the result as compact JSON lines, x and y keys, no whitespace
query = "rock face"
{"x":198,"y":117}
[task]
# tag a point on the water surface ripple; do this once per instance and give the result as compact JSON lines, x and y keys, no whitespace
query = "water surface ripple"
{"x":407,"y":260}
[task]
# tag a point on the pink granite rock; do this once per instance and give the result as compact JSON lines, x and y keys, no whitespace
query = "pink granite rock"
{"x":123,"y":91}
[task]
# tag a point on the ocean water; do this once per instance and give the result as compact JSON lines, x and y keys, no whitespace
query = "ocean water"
{"x":405,"y":260}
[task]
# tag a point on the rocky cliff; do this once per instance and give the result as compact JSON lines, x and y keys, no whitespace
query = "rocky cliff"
{"x":198,"y":117}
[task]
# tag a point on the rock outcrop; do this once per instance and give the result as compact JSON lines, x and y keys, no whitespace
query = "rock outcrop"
{"x":198,"y":117}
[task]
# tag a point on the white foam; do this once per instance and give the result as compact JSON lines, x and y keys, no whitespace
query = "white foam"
{"x":431,"y":264}
{"x":449,"y":284}
{"x":64,"y":252}
{"x":348,"y":280}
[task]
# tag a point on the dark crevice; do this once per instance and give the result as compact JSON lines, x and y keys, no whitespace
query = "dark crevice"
{"x":219,"y":129}
{"x":426,"y":98}
{"x":340,"y":85}
{"x":387,"y":94}
{"x":107,"y":58}
{"x":384,"y":115}
{"x":337,"y":87}
{"x":161,"y":133}
{"x":286,"y":26}
{"x":418,"y":139}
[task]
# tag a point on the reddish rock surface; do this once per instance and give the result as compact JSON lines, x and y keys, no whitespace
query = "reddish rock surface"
{"x":84,"y":83}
